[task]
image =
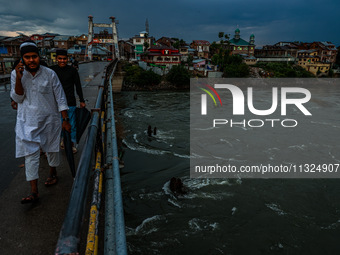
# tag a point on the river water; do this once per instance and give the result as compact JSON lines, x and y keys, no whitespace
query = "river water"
{"x":216,"y":216}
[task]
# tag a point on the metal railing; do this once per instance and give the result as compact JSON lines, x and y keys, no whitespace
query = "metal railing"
{"x":114,"y":240}
{"x":68,"y":242}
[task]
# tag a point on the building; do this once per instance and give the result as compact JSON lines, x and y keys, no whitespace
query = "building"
{"x":279,"y":52}
{"x":77,"y":52}
{"x":64,"y":41}
{"x":140,"y":42}
{"x":10,"y":51}
{"x":166,"y":41}
{"x":126,"y":49}
{"x":326,"y":50}
{"x":311,"y":61}
{"x":104,"y":39}
{"x":81,"y":40}
{"x":238,"y":46}
{"x":161,"y":56}
{"x":201,"y":47}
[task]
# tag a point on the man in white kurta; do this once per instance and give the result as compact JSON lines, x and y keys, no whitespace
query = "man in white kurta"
{"x":40,"y":98}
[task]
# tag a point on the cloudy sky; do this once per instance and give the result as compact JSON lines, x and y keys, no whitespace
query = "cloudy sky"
{"x":269,"y":20}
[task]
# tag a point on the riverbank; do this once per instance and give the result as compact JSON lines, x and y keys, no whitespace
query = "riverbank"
{"x":163,"y":86}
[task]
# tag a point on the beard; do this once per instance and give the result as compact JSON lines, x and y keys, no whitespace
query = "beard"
{"x":32,"y":70}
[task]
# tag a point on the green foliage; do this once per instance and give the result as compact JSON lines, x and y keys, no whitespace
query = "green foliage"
{"x":236,"y":70}
{"x":139,"y":77}
{"x":146,"y":45}
{"x":230,"y":65}
{"x":330,"y":73}
{"x":284,"y":70}
{"x":190,"y":59}
{"x":176,"y":45}
{"x":179,"y":76}
{"x":147,"y":78}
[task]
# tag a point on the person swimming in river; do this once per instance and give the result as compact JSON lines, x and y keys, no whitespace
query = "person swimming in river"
{"x":149,"y":131}
{"x":177,"y":187}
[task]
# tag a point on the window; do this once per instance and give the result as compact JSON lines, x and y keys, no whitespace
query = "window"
{"x":62,"y":43}
{"x":138,"y":40}
{"x":159,"y":58}
{"x":56,"y":43}
{"x":175,"y":59}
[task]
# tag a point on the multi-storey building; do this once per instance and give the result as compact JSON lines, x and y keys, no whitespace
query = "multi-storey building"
{"x":311,"y":61}
{"x":139,"y":41}
{"x":201,"y":48}
{"x":64,"y":41}
{"x":162,"y":56}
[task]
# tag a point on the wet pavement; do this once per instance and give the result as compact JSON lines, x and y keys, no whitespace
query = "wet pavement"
{"x":34,"y":229}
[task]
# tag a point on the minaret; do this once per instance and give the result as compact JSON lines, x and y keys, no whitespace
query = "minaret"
{"x":252,"y":39}
{"x":147,"y":26}
{"x":237,"y":34}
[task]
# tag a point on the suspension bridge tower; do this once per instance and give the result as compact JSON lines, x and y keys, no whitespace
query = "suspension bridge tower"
{"x":115,"y":51}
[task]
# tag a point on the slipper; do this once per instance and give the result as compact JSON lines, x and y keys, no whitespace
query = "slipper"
{"x":32,"y":198}
{"x":52,"y":180}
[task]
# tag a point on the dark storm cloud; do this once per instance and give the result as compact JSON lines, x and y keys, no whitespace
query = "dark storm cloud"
{"x":269,"y":20}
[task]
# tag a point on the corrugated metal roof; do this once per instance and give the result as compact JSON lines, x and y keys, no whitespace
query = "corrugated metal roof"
{"x":198,"y":60}
{"x":98,"y":50}
{"x":62,"y":38}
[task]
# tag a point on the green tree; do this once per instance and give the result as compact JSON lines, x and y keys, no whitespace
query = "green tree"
{"x":148,"y":78}
{"x":330,"y":73}
{"x":179,"y":76}
{"x":236,"y":70}
{"x":146,"y":45}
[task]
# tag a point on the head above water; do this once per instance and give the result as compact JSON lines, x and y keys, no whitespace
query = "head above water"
{"x":61,"y":57}
{"x":30,"y":56}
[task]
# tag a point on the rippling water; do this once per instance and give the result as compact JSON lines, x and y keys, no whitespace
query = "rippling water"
{"x":217,"y":216}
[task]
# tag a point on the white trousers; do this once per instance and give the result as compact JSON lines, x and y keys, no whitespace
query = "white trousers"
{"x":32,"y":163}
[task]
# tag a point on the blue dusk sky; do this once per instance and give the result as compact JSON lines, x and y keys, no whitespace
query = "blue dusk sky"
{"x":269,"y":20}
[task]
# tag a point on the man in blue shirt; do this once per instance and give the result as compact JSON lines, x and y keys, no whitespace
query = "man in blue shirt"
{"x":69,"y":78}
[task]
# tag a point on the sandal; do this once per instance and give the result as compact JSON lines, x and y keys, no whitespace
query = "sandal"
{"x":52,"y":180}
{"x":32,"y":198}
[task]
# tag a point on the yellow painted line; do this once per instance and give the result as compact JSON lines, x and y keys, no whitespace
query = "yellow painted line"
{"x":91,"y":235}
{"x":96,"y":246}
{"x":92,"y":230}
{"x":99,"y":160}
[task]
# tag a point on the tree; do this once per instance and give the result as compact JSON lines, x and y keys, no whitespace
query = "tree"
{"x":146,"y":45}
{"x":236,"y":70}
{"x":179,"y":76}
{"x":148,"y":78}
